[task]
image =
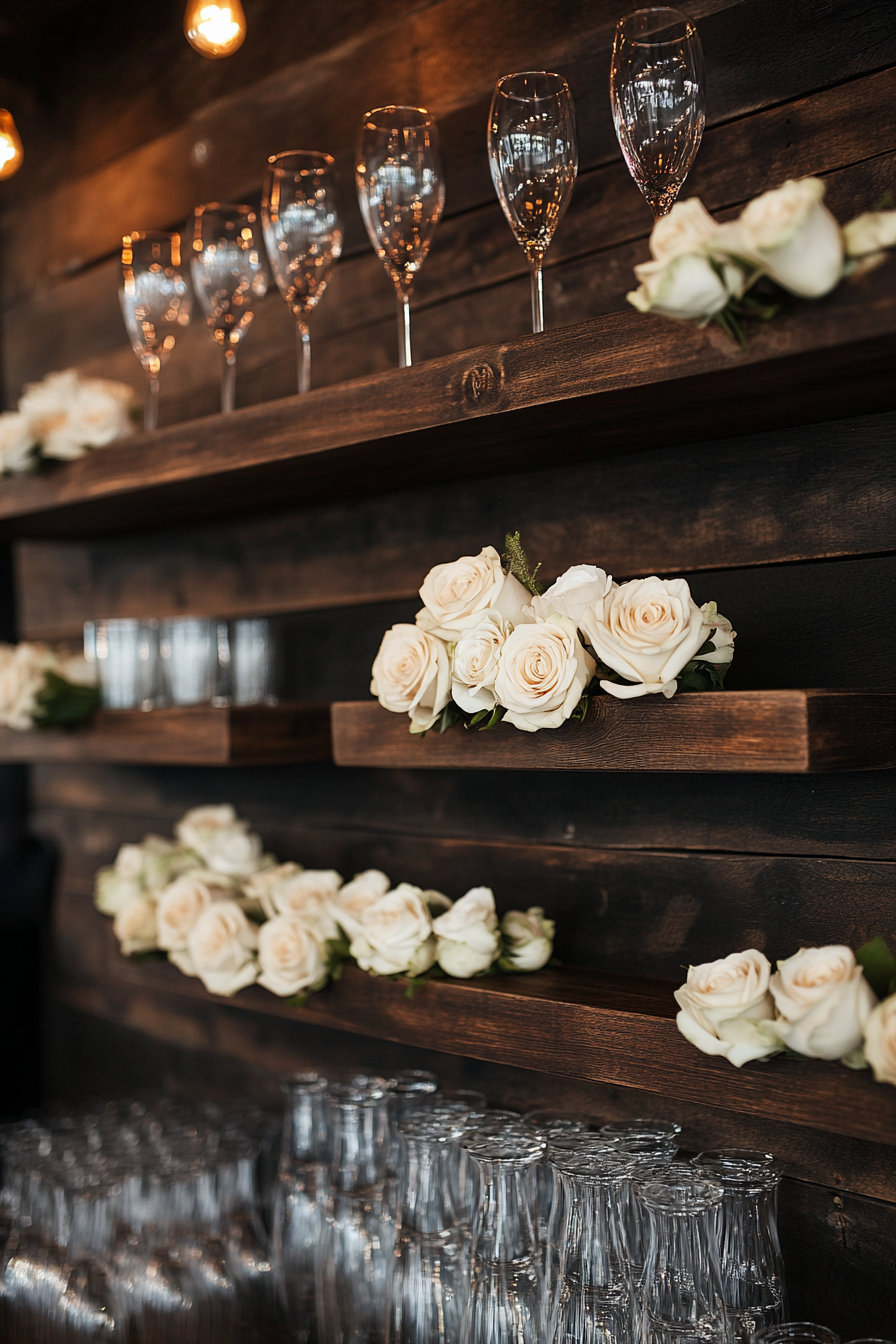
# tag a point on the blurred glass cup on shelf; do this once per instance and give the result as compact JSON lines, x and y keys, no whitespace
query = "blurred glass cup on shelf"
{"x":254,"y":650}
{"x":126,"y":656}
{"x":229,"y":276}
{"x":156,"y":303}
{"x":302,"y":235}
{"x":188,"y":646}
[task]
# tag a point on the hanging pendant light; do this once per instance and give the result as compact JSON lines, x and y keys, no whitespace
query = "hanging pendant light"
{"x":215,"y":30}
{"x":11,"y":152}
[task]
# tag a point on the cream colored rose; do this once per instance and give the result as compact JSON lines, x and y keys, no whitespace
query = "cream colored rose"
{"x":183,"y":901}
{"x":411,"y":674}
{"x":689,"y":287}
{"x":724,"y":1005}
{"x":305,"y":892}
{"x":572,"y":593}
{"x":790,"y":236}
{"x":688,"y":227}
{"x":16,"y":444}
{"x":220,"y":950}
{"x":871,"y":232}
{"x":474,"y":663}
{"x":68,"y":414}
{"x":350,"y":902}
{"x":135,"y":925}
{"x":543,"y":673}
{"x":395,"y":935}
{"x":719,"y":630}
{"x":645,"y":630}
{"x":111,"y":891}
{"x":467,"y":934}
{"x":880,"y":1040}
{"x":23,"y":668}
{"x":528,"y":939}
{"x":455,"y":595}
{"x":290,"y":956}
{"x":823,"y":1001}
{"x":221,"y":839}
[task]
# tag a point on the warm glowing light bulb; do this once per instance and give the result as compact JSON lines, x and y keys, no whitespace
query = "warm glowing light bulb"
{"x":11,"y":152}
{"x":215,"y":30}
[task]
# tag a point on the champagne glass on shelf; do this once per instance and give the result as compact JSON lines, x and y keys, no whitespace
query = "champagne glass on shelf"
{"x":533,"y":155}
{"x":401,"y":192}
{"x":228,"y":276}
{"x":155,"y":302}
{"x":657,"y":93}
{"x":302,"y":235}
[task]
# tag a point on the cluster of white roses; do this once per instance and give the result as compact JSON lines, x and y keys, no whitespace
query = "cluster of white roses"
{"x":39,"y":685}
{"x":819,"y":1003}
{"x":223,"y":910}
{"x":63,"y":417}
{"x":496,"y":649}
{"x":701,"y":270}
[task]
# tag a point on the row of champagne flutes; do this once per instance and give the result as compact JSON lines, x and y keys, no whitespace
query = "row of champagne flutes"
{"x":657,"y":100}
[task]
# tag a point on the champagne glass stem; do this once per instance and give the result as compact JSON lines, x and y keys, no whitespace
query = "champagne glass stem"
{"x":537,"y":295}
{"x":151,"y":405}
{"x":404,"y":331}
{"x":303,"y":355}
{"x":228,"y":381}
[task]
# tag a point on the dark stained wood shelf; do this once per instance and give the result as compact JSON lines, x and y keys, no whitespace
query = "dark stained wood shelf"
{"x":194,"y":735}
{"x":618,"y":382}
{"x":571,"y":1022}
{"x":781,"y":732}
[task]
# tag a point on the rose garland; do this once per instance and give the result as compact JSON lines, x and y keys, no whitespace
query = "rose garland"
{"x":63,"y":418}
{"x":786,"y":239}
{"x":493,"y":645}
{"x":41,"y":688}
{"x":821,"y":1003}
{"x":220,"y":909}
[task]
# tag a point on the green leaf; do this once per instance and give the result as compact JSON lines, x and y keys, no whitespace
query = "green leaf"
{"x":153,"y":954}
{"x":518,"y":565}
{"x":879,"y":965}
{"x":62,"y":704}
{"x":298,"y":1000}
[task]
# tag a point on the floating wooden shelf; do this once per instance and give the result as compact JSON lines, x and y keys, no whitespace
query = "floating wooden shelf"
{"x":618,"y":382}
{"x":776,"y":731}
{"x":197,"y":735}
{"x":571,"y":1022}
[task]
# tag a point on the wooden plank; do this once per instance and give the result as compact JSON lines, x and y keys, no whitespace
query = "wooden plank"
{"x":638,"y":378}
{"x":768,"y":731}
{"x":192,"y":735}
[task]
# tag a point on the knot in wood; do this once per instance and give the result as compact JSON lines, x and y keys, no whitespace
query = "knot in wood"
{"x":480,"y":383}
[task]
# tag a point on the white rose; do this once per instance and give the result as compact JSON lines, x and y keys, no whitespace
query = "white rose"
{"x":721,"y":634}
{"x":290,"y":956}
{"x":129,"y":862}
{"x":395,"y":935}
{"x":723,"y":1005}
{"x":871,"y":232}
{"x":16,"y":444}
{"x":220,"y":949}
{"x":790,"y":236}
{"x":528,"y":939}
{"x":135,"y":925}
{"x":455,"y":595}
{"x":411,"y":674}
{"x":572,"y":593}
{"x":67,"y":414}
{"x":23,"y":670}
{"x":645,"y":630}
{"x":221,"y":839}
{"x":474,"y":663}
{"x":467,"y":934}
{"x":163,"y":861}
{"x":823,"y":1001}
{"x":350,"y":902}
{"x":111,"y":891}
{"x":880,"y":1040}
{"x":304,"y":892}
{"x":543,"y":673}
{"x":181,"y":903}
{"x":687,"y":228}
{"x":689,"y":287}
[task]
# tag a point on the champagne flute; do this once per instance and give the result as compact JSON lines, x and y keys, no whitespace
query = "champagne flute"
{"x":657,"y":96}
{"x":155,"y":301}
{"x":401,"y":192}
{"x":228,"y":276}
{"x":534,"y":158}
{"x":302,"y":236}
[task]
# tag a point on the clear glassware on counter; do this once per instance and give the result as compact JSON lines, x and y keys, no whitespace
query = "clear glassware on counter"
{"x":188,"y":646}
{"x":126,"y":655}
{"x":299,"y":1199}
{"x":681,"y":1295}
{"x":797,"y":1332}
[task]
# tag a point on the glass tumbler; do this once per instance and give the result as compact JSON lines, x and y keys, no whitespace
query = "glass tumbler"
{"x":681,"y":1293}
{"x":254,"y":662}
{"x":126,"y":655}
{"x":297,"y":1218}
{"x":189,"y":656}
{"x":797,"y":1332}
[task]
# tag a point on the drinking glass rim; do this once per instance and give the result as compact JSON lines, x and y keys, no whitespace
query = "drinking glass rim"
{"x":320,"y":154}
{"x":690,"y":28}
{"x":149,"y":235}
{"x":425,"y":118}
{"x":562,"y":86}
{"x":680,"y":1197}
{"x":221,"y":206}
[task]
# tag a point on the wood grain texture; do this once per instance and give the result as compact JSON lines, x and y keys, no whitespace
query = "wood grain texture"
{"x":765,"y":731}
{"x":193,"y":735}
{"x":631,"y":378}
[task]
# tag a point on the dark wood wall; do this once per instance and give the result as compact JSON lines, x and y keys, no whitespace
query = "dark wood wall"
{"x":790,"y":530}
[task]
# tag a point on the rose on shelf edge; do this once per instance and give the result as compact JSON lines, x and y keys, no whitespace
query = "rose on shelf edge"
{"x":528,"y":940}
{"x":880,"y":1040}
{"x":823,"y":1001}
{"x":467,"y":935}
{"x":43,"y":688}
{"x":62,"y":418}
{"x":725,"y":1008}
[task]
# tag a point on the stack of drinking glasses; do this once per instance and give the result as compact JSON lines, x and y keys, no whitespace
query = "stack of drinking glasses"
{"x":187,"y":660}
